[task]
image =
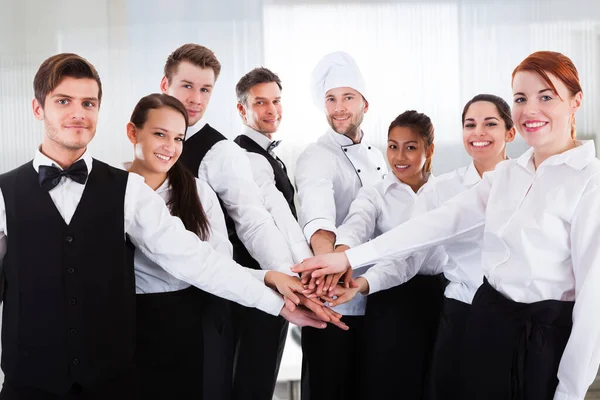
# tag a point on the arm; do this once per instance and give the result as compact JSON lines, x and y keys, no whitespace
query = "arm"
{"x":218,"y":239}
{"x":580,"y":360}
{"x":359,"y":224}
{"x":456,"y":218}
{"x":229,"y":173}
{"x":278,"y":207}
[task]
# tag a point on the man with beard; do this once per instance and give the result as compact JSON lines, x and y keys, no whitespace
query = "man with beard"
{"x":329,"y":174}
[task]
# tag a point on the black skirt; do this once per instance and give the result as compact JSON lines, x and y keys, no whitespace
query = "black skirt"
{"x":400,"y":330}
{"x":169,"y":345}
{"x":448,"y":350}
{"x":512,"y":350}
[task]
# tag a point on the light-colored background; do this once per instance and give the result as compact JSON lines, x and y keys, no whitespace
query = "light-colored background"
{"x":427,"y":55}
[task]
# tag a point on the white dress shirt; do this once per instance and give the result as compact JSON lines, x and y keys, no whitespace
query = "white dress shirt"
{"x":329,"y":174}
{"x":227,"y":170}
{"x":376,"y":210}
{"x":164,"y":240}
{"x":540,"y":243}
{"x":274,"y":201}
{"x":151,"y":278}
{"x":463,"y":269}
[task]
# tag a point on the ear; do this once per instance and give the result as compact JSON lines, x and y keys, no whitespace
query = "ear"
{"x":576,"y":102}
{"x":366,"y":108}
{"x":164,"y":85}
{"x":510,"y":135}
{"x":132,"y":133}
{"x":430,"y":150}
{"x":38,"y":110}
{"x":242,"y":110}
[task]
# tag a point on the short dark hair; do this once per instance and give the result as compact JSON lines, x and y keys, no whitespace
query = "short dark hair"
{"x":58,"y":67}
{"x":501,"y":105}
{"x":252,"y":78}
{"x":196,"y":54}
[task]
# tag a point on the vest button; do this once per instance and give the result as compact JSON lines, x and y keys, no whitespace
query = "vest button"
{"x":71,"y":270}
{"x":73,"y":301}
{"x":75,"y":361}
{"x":74,"y":332}
{"x":69,"y":239}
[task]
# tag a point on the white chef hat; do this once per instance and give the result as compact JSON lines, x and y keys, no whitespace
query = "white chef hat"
{"x":337,"y":69}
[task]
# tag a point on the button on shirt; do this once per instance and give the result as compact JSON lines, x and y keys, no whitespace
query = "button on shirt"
{"x":328,"y":180}
{"x":274,"y":201}
{"x":227,"y":170}
{"x":463,"y":269}
{"x":164,"y":240}
{"x":540,"y":243}
{"x":378,"y":209}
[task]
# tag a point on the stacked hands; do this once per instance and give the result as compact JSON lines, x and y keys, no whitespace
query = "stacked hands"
{"x":326,"y":281}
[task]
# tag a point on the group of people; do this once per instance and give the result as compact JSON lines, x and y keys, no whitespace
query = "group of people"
{"x":175,"y":275}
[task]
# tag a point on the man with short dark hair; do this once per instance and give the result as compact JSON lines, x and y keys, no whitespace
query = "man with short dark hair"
{"x":262,"y":337}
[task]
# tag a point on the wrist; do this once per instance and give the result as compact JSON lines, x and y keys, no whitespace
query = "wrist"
{"x":363,"y":285}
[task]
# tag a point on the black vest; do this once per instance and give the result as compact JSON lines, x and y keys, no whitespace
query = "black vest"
{"x":282,"y":182}
{"x":194,"y":150}
{"x":69,"y":305}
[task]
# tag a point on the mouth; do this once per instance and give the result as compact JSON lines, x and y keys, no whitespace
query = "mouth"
{"x":341,"y":118}
{"x":270,"y":121}
{"x":481,"y":144}
{"x":401,"y":167}
{"x":193,"y":112}
{"x":163,"y":157}
{"x":533,"y":126}
{"x":76,"y":126}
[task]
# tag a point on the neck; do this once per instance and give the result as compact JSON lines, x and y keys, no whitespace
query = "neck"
{"x":483,"y":166}
{"x":542,"y":154}
{"x":267,"y":134}
{"x":355,"y":136}
{"x":153,"y":179}
{"x":417,"y":181}
{"x":60,"y":155}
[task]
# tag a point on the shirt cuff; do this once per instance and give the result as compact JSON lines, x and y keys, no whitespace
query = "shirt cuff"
{"x":318,"y":224}
{"x":362,"y":255}
{"x":300,"y":252}
{"x":270,"y":302}
{"x":564,"y":396}
{"x":345,"y":240}
{"x":374,"y":281}
{"x":258,"y":274}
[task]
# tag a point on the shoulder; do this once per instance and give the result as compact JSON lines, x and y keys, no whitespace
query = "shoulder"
{"x":12,"y":174}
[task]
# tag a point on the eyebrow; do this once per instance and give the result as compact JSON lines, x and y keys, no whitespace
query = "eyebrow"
{"x":158,"y":128}
{"x":266,"y":98}
{"x":541,"y":91}
{"x":66,"y":96}
{"x":192,"y":83}
{"x":485,"y":119}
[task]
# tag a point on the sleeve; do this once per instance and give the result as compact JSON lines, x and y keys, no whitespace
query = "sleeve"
{"x":581,"y":357}
{"x":2,"y":229}
{"x":456,"y":218}
{"x":219,"y":238}
{"x":229,"y":173}
{"x":165,"y":241}
{"x":279,"y":209}
{"x":390,"y":272}
{"x":314,"y":180}
{"x":359,"y":225}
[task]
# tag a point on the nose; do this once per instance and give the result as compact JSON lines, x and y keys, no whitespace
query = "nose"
{"x":78,"y":111}
{"x":340,"y":106}
{"x":271,"y":109}
{"x":196,"y":97}
{"x":531,"y":107}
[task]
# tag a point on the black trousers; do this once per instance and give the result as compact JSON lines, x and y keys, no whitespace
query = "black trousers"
{"x":122,"y":387}
{"x":219,"y":346}
{"x":512,"y":350}
{"x":169,"y":345}
{"x":401,"y":324}
{"x":260,"y":342}
{"x":332,"y":361}
{"x":448,"y":350}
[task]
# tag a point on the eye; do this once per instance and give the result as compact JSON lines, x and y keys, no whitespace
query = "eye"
{"x":205,"y":90}
{"x":546,"y":98}
{"x":179,"y":139}
{"x":519,"y":100}
{"x":329,"y":99}
{"x":410,"y":148}
{"x":470,"y":125}
{"x":260,"y":103}
{"x":392,"y":147}
{"x":491,"y":124}
{"x":63,"y":102}
{"x":348,"y":98}
{"x":187,"y":86}
{"x":277,"y":102}
{"x":89,"y":104}
{"x":159,"y":134}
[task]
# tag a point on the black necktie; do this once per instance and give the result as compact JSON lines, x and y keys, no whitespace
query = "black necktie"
{"x":272,"y":146}
{"x":50,"y":175}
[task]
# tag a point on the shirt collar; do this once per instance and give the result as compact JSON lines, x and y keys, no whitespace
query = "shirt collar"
{"x":260,"y":139}
{"x":165,"y":186}
{"x":192,"y":130}
{"x":471,"y":176}
{"x":42,"y":159}
{"x":342,"y":140}
{"x":577,"y":158}
{"x":391,"y":180}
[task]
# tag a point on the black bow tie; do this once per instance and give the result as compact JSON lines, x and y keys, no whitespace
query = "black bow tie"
{"x":272,"y":146}
{"x":50,"y":175}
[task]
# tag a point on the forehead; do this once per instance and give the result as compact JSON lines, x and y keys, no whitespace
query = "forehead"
{"x":403,"y":134}
{"x":267,"y":89}
{"x":166,"y":118}
{"x":84,"y":88}
{"x":341,"y":91}
{"x":531,"y":81}
{"x":482,"y":109}
{"x":193,"y":73}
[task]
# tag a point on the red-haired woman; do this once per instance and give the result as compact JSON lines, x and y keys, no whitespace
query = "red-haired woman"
{"x":533,"y":332}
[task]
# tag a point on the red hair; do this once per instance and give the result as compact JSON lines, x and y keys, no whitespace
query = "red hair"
{"x":557,"y":64}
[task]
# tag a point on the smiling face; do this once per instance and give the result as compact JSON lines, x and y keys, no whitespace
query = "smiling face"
{"x":406,"y":154}
{"x":70,"y":114}
{"x":543,"y":116}
{"x":485,"y":133}
{"x":345,"y":109}
{"x":262,"y":109}
{"x":159,"y":142}
{"x":192,"y":86}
